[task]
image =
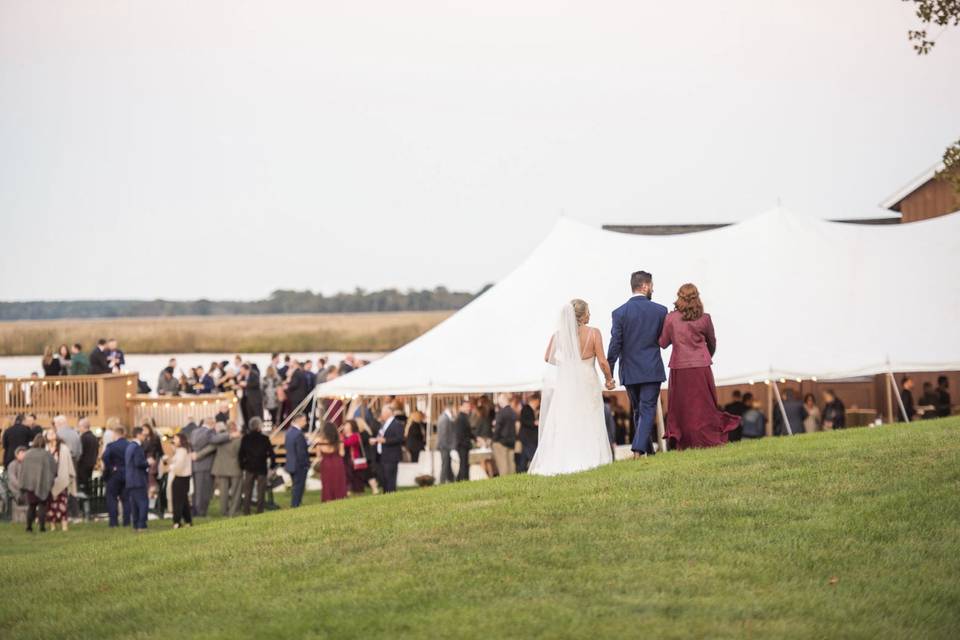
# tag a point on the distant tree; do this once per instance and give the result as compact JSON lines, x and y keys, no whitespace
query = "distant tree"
{"x":943,"y":13}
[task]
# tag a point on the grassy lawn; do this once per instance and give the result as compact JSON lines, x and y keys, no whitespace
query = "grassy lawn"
{"x":851,"y":534}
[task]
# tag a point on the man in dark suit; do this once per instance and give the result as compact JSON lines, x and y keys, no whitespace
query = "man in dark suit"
{"x":796,"y":414}
{"x":464,"y":440}
{"x":252,"y":394}
{"x":737,"y":408}
{"x":634,"y":341}
{"x":202,"y":469}
{"x":90,"y":447}
{"x":389,"y":443}
{"x":529,"y":434}
{"x":98,"y":358}
{"x":114,"y":475}
{"x":135,"y":473}
{"x":18,"y":435}
{"x":297,"y":461}
{"x":297,"y":387}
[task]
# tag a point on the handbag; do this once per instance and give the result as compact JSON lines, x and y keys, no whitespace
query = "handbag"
{"x":274,"y":480}
{"x":360,"y":462}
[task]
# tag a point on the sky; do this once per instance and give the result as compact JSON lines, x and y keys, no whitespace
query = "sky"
{"x":190,"y":149}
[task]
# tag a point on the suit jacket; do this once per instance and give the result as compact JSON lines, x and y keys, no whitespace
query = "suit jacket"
{"x":19,"y":435}
{"x":529,"y":434}
{"x":226,"y":461}
{"x":796,"y":414}
{"x":256,"y":453}
{"x":98,"y":361}
{"x":135,"y":466}
{"x":694,"y":341}
{"x":199,"y":439}
{"x":296,"y":445}
{"x":634,"y":341}
{"x":253,"y":395}
{"x":114,"y":459}
{"x":463,"y":431}
{"x":392,"y":448}
{"x":505,"y":427}
{"x":88,"y":458}
{"x":446,"y":437}
{"x":297,"y":388}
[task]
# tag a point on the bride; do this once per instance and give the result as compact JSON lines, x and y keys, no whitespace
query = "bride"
{"x":573,"y":432}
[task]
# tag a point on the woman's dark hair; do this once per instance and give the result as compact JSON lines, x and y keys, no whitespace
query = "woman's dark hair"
{"x":182,"y":440}
{"x":330,"y":433}
{"x":353,"y":426}
{"x":688,"y":302}
{"x":811,"y":397}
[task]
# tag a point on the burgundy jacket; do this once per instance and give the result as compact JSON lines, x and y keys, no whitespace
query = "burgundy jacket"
{"x":693,"y":342}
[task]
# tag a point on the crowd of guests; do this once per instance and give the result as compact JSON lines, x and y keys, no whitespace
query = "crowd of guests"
{"x":106,"y":357}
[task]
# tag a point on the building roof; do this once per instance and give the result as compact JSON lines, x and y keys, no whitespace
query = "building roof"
{"x":893,"y":201}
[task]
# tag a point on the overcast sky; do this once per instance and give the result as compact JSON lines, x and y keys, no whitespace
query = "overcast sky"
{"x":189,"y":149}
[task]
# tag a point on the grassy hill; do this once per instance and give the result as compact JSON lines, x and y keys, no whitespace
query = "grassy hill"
{"x":850,"y":534}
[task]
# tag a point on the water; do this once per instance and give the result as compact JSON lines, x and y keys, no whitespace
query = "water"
{"x":150,"y":365}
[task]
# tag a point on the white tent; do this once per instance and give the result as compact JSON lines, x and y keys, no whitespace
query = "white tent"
{"x":790,"y":296}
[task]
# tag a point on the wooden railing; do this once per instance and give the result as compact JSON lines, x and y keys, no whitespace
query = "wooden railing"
{"x":174,"y":412}
{"x":96,"y":397}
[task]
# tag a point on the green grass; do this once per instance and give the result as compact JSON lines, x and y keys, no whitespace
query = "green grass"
{"x":851,"y":534}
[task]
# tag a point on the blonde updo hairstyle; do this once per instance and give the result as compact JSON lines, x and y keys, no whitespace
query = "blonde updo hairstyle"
{"x":581,"y":310}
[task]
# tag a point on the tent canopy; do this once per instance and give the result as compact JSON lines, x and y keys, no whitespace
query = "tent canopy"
{"x":790,"y":296}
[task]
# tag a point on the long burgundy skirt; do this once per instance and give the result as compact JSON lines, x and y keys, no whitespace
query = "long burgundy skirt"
{"x":333,"y":477}
{"x":693,"y":419}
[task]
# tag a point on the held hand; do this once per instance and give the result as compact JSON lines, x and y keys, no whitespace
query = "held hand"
{"x":193,"y":456}
{"x":610,"y":385}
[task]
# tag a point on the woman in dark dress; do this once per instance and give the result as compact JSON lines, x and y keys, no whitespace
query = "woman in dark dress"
{"x":416,"y":432}
{"x":693,"y":419}
{"x":354,"y":458}
{"x":333,"y":474}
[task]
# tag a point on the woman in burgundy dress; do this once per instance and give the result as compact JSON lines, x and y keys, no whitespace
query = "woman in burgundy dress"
{"x":693,"y":419}
{"x":333,"y":475}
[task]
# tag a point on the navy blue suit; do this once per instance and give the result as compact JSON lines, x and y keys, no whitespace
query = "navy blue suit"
{"x":634,"y":341}
{"x":297,"y":463}
{"x":114,"y":475}
{"x":135,"y":472}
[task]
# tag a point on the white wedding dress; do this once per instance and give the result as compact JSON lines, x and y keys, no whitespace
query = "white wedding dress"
{"x":573,"y":431}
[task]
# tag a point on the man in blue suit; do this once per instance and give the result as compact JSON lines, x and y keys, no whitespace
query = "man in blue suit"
{"x":634,"y":342}
{"x":297,"y":461}
{"x":135,"y":469}
{"x":114,"y":476}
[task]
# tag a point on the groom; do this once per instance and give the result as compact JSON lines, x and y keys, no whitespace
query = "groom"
{"x":634,"y":342}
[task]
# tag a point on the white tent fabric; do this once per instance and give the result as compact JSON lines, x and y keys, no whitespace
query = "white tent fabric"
{"x":791,"y":296}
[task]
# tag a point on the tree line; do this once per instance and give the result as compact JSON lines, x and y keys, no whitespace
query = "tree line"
{"x":279,"y":301}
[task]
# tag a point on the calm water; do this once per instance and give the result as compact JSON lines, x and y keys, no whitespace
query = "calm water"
{"x":150,"y":365}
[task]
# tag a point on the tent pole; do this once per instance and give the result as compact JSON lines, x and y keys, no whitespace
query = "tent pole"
{"x":889,"y":402}
{"x":896,"y":392}
{"x":783,"y":412}
{"x":769,"y":409}
{"x":661,"y":427}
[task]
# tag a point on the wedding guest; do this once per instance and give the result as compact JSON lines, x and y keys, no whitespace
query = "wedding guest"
{"x":906,"y":397}
{"x":796,"y":414}
{"x":63,"y":354}
{"x":928,"y":401}
{"x":79,"y":362}
{"x":355,"y":458}
{"x":834,"y":413}
{"x":446,"y":442}
{"x":529,"y":434}
{"x":252,"y":393}
{"x":694,"y":419}
{"x":812,"y":422}
{"x":505,"y":437}
{"x":64,"y":483}
{"x":115,"y":357}
{"x":753,"y":422}
{"x":153,"y":450}
{"x":180,"y":468}
{"x":98,"y":359}
{"x":256,"y":458}
{"x":90,"y":449}
{"x":167,"y":383}
{"x":16,"y":435}
{"x":223,"y":413}
{"x":224,"y":448}
{"x":414,"y":438}
{"x":38,"y":471}
{"x":309,"y":377}
{"x":202,"y":475}
{"x":50,"y":362}
{"x":297,"y":461}
{"x":296,"y":387}
{"x":135,"y":465}
{"x":13,"y":471}
{"x":68,"y":436}
{"x":389,"y":443}
{"x":944,"y":406}
{"x":333,"y":475}
{"x":736,"y":408}
{"x":365,"y":422}
{"x":271,"y":383}
{"x":464,"y":439}
{"x":114,"y":475}
{"x":482,"y":422}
